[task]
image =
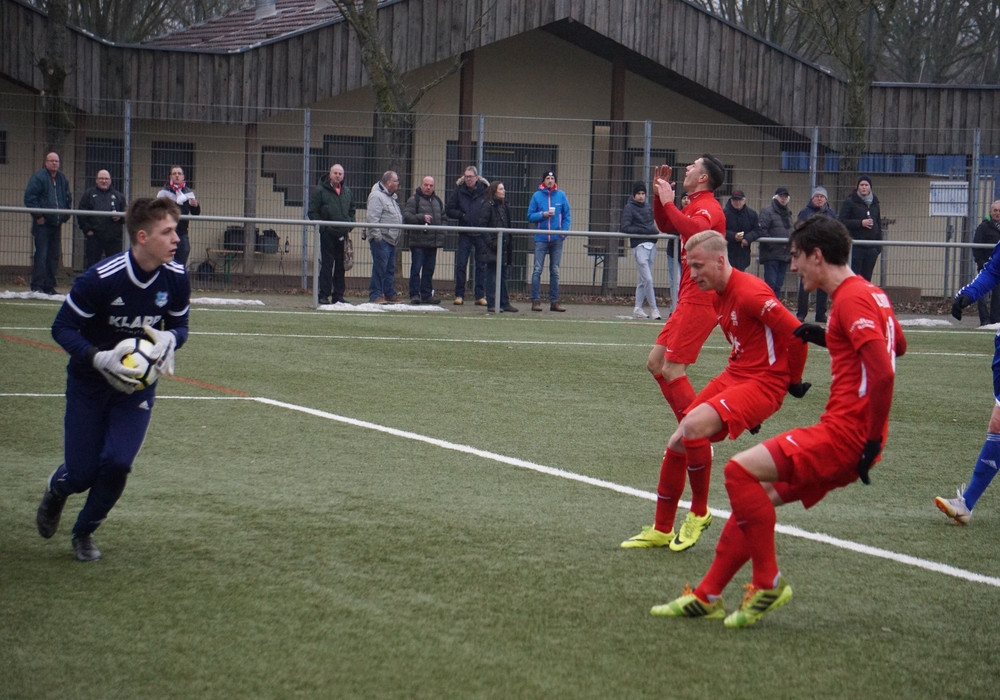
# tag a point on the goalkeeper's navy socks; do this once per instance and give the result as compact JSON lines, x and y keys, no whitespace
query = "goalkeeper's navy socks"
{"x":985,"y":470}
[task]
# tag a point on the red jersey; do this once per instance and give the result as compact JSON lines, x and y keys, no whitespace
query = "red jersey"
{"x":860,"y":312}
{"x":759,"y":329}
{"x":703,"y":213}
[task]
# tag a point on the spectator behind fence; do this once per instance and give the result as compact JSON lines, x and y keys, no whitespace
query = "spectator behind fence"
{"x":332,"y":200}
{"x":47,"y":189}
{"x":102,"y":235}
{"x":818,"y":205}
{"x":774,"y":221}
{"x":637,"y":221}
{"x":549,"y":211}
{"x":740,"y":220}
{"x":383,"y":209}
{"x":495,"y":214}
{"x":988,"y":232}
{"x":183,"y":196}
{"x":424,"y":208}
{"x":463,"y":208}
{"x":861,"y":213}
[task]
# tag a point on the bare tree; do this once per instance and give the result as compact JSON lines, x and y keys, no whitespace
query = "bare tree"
{"x":132,"y":21}
{"x":395,"y":97}
{"x":52,"y":64}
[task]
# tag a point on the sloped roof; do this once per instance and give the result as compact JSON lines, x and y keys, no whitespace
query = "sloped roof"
{"x":242,"y":30}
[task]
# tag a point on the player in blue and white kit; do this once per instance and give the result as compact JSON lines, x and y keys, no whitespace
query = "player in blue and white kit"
{"x":141,"y":292}
{"x":960,"y":509}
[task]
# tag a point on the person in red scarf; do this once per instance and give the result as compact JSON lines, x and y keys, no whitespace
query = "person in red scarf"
{"x":178,"y":192}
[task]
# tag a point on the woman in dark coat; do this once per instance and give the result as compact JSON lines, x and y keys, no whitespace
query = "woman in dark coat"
{"x":495,"y":214}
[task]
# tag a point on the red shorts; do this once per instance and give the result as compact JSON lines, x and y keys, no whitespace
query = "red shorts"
{"x":812,"y":462}
{"x":686,"y":331}
{"x":742,"y":404}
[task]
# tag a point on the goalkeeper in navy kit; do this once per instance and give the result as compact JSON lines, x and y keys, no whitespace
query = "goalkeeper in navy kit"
{"x":141,"y":292}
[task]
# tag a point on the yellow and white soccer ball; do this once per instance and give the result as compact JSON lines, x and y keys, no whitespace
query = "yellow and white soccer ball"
{"x":140,"y":356}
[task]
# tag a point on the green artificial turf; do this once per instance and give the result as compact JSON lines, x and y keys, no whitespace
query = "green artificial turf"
{"x":346,"y":505}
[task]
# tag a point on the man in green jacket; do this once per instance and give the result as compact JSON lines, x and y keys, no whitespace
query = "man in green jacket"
{"x":332,"y":200}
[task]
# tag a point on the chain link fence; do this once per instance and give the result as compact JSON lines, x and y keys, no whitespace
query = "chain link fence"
{"x":254,"y":181}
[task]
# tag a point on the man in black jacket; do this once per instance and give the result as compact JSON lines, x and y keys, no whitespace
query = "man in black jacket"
{"x":740,"y":220}
{"x":332,"y":200}
{"x":862,"y":216}
{"x":424,"y":208}
{"x":988,"y":232}
{"x":818,"y":204}
{"x":102,"y":235}
{"x":463,"y":207}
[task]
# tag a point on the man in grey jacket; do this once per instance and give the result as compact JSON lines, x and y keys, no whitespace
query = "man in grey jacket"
{"x":383,"y":209}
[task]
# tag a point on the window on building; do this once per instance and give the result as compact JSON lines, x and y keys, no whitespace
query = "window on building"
{"x":106,"y":154}
{"x":3,"y":148}
{"x":165,"y":155}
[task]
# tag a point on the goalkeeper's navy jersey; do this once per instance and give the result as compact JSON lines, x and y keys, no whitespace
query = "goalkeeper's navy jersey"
{"x":112,"y":300}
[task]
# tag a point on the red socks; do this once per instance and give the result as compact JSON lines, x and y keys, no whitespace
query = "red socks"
{"x":699,"y":467}
{"x":731,"y":553}
{"x":754,"y":513}
{"x":669,"y":490}
{"x":678,"y":392}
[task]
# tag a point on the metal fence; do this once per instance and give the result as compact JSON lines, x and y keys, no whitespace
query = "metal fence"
{"x":259,"y":177}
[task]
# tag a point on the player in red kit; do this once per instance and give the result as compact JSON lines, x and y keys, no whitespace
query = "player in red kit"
{"x":693,"y":319}
{"x":766,"y":361}
{"x":804,"y":464}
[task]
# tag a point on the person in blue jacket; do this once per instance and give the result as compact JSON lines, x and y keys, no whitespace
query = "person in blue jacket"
{"x":549,"y":212}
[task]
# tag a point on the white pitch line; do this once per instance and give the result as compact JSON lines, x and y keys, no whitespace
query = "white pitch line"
{"x":791,"y":531}
{"x":935,"y":567}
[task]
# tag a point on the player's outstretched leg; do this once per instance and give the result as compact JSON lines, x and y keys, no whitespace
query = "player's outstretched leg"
{"x":955,"y":508}
{"x":689,"y":605}
{"x":758,"y":602}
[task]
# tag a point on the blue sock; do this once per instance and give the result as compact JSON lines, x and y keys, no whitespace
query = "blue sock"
{"x":985,"y":470}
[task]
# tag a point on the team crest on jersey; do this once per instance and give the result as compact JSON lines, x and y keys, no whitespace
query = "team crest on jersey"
{"x":161,"y":299}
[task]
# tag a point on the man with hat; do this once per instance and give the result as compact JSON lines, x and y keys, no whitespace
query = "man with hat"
{"x":862,"y":215}
{"x":637,"y":220}
{"x":739,"y":220}
{"x":818,"y":205}
{"x":775,"y":221}
{"x":549,"y":211}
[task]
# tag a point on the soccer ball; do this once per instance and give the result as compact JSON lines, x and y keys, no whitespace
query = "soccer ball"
{"x":140,"y":351}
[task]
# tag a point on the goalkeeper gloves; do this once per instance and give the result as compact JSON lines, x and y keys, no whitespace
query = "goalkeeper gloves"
{"x":868,"y":455}
{"x":811,"y":333}
{"x":961,"y":301}
{"x":164,"y":343}
{"x":109,"y":364}
{"x":799,"y":390}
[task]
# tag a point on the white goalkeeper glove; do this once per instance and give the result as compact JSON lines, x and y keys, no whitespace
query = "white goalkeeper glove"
{"x":164,"y":343}
{"x":109,"y":364}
